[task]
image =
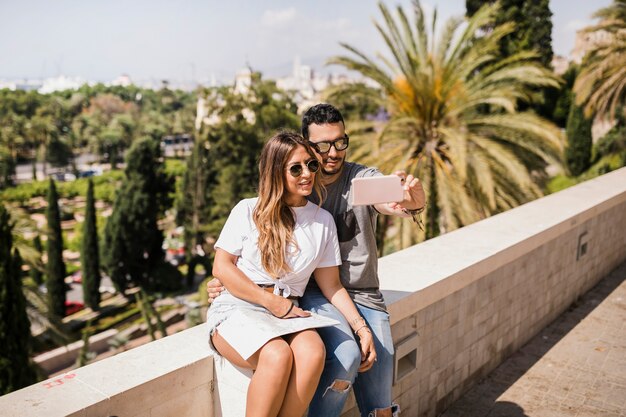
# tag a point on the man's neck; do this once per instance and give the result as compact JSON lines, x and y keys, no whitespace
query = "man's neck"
{"x":330,"y":179}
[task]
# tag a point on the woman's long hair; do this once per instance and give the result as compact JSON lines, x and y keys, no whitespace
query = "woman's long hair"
{"x":274,"y":219}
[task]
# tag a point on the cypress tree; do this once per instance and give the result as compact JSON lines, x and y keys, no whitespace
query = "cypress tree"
{"x":579,"y":142}
{"x":56,"y":267}
{"x":35,"y":273}
{"x":193,"y":208}
{"x":90,"y":259}
{"x":132,"y":238}
{"x":16,"y":370}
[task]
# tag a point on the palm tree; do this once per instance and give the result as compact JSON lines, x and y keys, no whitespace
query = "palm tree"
{"x":453,"y":120}
{"x":601,"y":84}
{"x":43,"y":129}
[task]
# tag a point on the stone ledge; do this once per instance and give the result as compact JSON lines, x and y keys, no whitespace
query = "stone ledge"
{"x":447,"y":291}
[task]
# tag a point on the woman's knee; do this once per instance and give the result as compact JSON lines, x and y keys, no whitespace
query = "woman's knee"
{"x":277,"y":353}
{"x":309,"y":348}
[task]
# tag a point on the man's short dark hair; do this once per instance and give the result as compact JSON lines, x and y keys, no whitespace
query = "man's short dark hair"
{"x":320,"y":114}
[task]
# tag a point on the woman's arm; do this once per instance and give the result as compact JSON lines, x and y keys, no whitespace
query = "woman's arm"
{"x":239,"y":285}
{"x":328,"y":281}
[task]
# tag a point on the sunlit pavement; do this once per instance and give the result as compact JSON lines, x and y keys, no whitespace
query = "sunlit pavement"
{"x":575,"y":367}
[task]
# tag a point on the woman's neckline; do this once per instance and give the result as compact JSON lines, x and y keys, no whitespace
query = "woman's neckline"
{"x":306,"y":202}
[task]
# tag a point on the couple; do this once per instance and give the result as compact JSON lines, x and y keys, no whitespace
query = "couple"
{"x":269,"y":248}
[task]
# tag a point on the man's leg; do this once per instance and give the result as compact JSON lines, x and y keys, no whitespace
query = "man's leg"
{"x":372,"y":389}
{"x":343,"y":357}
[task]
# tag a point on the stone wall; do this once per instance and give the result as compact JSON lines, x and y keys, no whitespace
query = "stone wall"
{"x":467,"y":300}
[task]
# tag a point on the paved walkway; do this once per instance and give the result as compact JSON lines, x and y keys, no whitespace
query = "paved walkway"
{"x":575,"y":367}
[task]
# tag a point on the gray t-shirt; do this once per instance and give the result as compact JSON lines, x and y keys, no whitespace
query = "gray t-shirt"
{"x":356,"y":229}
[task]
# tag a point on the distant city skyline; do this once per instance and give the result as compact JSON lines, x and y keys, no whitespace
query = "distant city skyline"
{"x":208,"y":40}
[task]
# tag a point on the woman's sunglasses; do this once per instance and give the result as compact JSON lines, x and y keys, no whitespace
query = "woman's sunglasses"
{"x":296,"y":170}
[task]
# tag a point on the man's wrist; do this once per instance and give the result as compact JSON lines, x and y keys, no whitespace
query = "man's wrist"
{"x":417,"y":210}
{"x":416,"y":215}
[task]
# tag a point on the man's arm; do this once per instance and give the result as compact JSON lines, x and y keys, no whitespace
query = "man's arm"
{"x":214,"y":288}
{"x":239,"y":285}
{"x":414,"y":197}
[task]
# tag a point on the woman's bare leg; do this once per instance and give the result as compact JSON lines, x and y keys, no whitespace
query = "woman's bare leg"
{"x":272,"y":364}
{"x":308,"y":363}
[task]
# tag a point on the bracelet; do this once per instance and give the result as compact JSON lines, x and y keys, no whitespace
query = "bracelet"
{"x":361,"y":328}
{"x":288,"y":311}
{"x":355,"y":320}
{"x":416,"y":215}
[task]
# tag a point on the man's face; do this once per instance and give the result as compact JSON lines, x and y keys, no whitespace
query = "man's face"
{"x":332,"y":161}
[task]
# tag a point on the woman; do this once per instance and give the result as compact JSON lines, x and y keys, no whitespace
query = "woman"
{"x":265,"y":254}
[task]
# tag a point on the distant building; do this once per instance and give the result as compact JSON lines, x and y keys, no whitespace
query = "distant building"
{"x":560,"y":64}
{"x":10,"y":85}
{"x":587,"y":41}
{"x":243,"y":81}
{"x":24,"y":85}
{"x":176,"y":145}
{"x":60,"y":83}
{"x":122,"y":81}
{"x":305,"y":85}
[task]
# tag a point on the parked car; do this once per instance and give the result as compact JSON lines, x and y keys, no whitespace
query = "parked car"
{"x":92,"y":172}
{"x":62,"y":176}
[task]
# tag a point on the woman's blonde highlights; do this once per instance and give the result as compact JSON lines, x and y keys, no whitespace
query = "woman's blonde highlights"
{"x":272,"y":216}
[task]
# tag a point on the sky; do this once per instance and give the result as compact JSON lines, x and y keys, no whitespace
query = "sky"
{"x":207,"y":39}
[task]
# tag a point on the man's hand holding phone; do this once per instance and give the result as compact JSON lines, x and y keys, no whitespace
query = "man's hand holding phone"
{"x":389,"y":194}
{"x":414,"y":197}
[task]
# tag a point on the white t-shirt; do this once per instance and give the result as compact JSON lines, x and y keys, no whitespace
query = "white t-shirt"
{"x":315,"y":233}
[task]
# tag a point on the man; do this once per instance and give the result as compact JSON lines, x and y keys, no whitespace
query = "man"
{"x":346,"y":365}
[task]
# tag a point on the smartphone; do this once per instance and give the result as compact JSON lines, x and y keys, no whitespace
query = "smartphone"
{"x":379,"y":189}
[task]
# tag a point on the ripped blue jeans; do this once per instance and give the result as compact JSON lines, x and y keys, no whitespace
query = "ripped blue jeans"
{"x":372,"y":389}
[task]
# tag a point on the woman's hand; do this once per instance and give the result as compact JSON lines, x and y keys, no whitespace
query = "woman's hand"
{"x":368,"y":352}
{"x":284,"y":308}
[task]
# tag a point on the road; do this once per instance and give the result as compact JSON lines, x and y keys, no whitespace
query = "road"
{"x":24,"y":172}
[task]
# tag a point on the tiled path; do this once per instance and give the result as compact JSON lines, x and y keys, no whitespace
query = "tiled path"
{"x":574,"y":367}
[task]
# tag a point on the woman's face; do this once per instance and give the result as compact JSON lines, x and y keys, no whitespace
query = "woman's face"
{"x":297,"y":188}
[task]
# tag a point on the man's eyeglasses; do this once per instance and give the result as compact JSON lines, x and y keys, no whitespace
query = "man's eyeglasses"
{"x":340,"y":144}
{"x":296,"y":170}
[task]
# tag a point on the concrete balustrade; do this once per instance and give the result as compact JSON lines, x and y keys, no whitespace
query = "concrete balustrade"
{"x":459,"y":304}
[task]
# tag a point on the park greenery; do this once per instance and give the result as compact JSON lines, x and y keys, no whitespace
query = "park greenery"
{"x":474,"y":110}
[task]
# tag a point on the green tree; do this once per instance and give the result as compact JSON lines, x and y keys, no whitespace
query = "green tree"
{"x":227,"y":167}
{"x":44,"y":131}
{"x":533,"y":26}
{"x":132,"y":238}
{"x":533,"y":32}
{"x":613,"y":143}
{"x":35,"y":273}
{"x":601,"y":84}
{"x":38,"y":308}
{"x":578,"y":151}
{"x":193,"y":205}
{"x":55,"y":269}
{"x":108,"y":125}
{"x":436,"y":91}
{"x":355,"y":106}
{"x":16,"y":370}
{"x":90,"y":260}
{"x":565,"y":97}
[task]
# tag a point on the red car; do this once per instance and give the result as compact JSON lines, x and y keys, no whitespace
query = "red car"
{"x":72,"y":307}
